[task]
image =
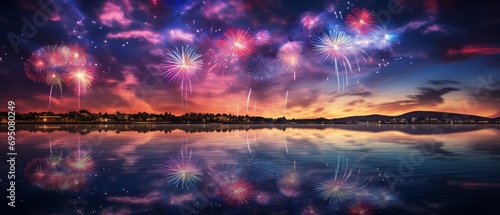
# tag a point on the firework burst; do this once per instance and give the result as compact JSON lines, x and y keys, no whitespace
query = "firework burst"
{"x":341,"y":187}
{"x":262,"y":37}
{"x":339,"y":47}
{"x":360,"y":21}
{"x":385,"y":37}
{"x":261,"y":170}
{"x":290,"y":56}
{"x":80,"y":79}
{"x":237,"y":193}
{"x":262,"y":197}
{"x":182,"y":171}
{"x":36,"y":66}
{"x":80,"y":161}
{"x":260,"y":68}
{"x":289,"y":183}
{"x":182,"y":65}
{"x":311,"y":22}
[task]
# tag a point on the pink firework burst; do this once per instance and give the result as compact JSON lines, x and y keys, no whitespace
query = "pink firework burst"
{"x":236,"y":42}
{"x":36,"y":66}
{"x":290,"y":56}
{"x":262,"y":197}
{"x":310,"y":21}
{"x":237,"y":193}
{"x":80,"y":161}
{"x":262,"y":37}
{"x":76,"y":55}
{"x":289,"y":183}
{"x":80,"y":79}
{"x":360,"y":21}
{"x":37,"y":171}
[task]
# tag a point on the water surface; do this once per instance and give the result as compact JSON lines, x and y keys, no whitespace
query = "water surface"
{"x":257,"y":169}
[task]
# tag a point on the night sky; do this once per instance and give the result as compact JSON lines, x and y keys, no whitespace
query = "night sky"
{"x":443,"y":55}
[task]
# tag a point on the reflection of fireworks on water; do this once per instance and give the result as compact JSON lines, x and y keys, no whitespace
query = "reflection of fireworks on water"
{"x":260,"y":68}
{"x":338,"y":46}
{"x":224,"y":174}
{"x":341,"y":187}
{"x":360,"y":208}
{"x":237,"y":193}
{"x":80,"y":161}
{"x":290,"y":56}
{"x":309,"y":210}
{"x":182,"y":170}
{"x":37,"y":171}
{"x":360,"y":21}
{"x":385,"y":198}
{"x":262,"y":37}
{"x":260,"y":170}
{"x":262,"y":197}
{"x":289,"y":183}
{"x":182,"y":66}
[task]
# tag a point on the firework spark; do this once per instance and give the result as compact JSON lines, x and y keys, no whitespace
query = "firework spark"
{"x":290,"y":56}
{"x":182,"y":171}
{"x":360,"y":21}
{"x":311,"y":22}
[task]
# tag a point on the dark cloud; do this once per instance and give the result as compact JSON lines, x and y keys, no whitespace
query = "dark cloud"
{"x":442,"y":82}
{"x":425,"y":97}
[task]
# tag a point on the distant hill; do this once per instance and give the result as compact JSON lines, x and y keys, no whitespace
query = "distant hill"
{"x":442,"y":116}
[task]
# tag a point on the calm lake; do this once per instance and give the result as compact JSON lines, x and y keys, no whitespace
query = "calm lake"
{"x":255,"y":169}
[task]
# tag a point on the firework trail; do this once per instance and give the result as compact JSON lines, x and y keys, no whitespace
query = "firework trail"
{"x":182,"y":65}
{"x":248,"y":145}
{"x":286,"y":99}
{"x":360,"y":21}
{"x":338,"y":46}
{"x":248,"y":98}
{"x":54,"y":80}
{"x":182,"y":171}
{"x":80,"y":79}
{"x":290,"y":56}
